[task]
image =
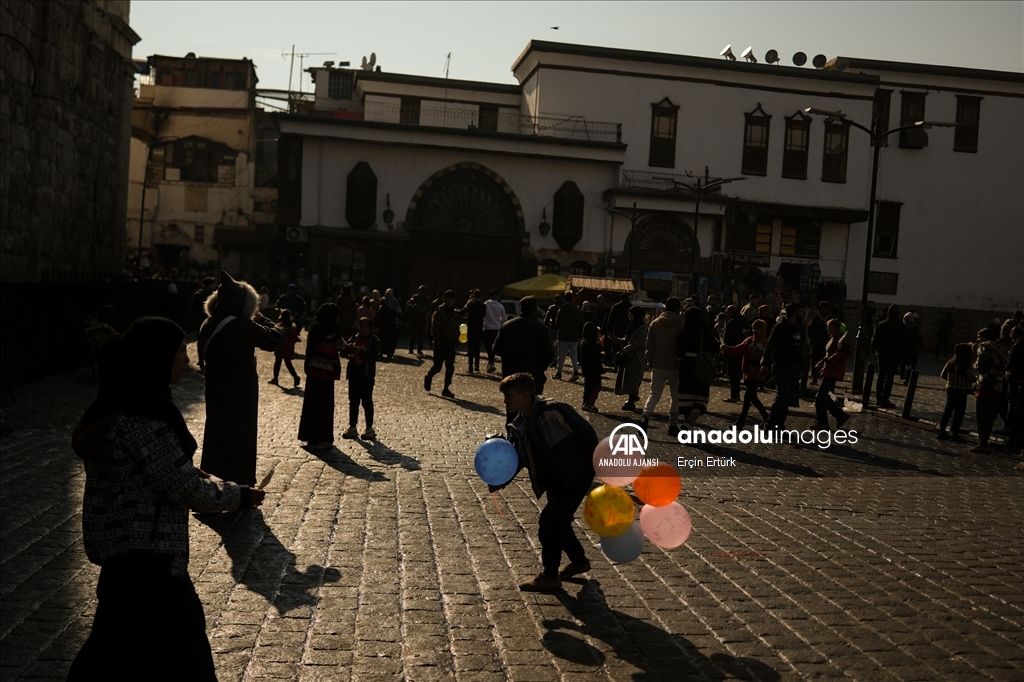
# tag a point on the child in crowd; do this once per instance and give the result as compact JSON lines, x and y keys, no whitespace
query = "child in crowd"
{"x":960,"y":379}
{"x":752,"y":349}
{"x":590,"y":363}
{"x":286,"y":353}
{"x":362,"y":350}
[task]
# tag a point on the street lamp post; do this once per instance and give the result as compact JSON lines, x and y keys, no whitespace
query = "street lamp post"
{"x":700,"y":191}
{"x":878,"y":136}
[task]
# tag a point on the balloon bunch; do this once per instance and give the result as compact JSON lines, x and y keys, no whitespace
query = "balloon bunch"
{"x":610,"y":512}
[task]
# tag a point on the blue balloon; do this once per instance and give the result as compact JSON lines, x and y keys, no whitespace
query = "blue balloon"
{"x":496,"y":461}
{"x":624,"y":547}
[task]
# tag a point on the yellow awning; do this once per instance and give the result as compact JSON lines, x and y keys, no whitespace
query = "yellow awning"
{"x":542,"y":286}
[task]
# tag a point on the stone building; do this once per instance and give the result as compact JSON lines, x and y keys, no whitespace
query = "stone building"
{"x":399,"y":180}
{"x":65,"y":116}
{"x":207,"y":157}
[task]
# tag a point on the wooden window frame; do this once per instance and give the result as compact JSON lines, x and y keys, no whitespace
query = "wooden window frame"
{"x":755,"y":156}
{"x":664,"y":134}
{"x":794,"y":159}
{"x":197,"y":159}
{"x":746,"y":237}
{"x":965,"y":137}
{"x":800,"y":239}
{"x":887,"y":230}
{"x":834,"y":160}
{"x":912,"y":138}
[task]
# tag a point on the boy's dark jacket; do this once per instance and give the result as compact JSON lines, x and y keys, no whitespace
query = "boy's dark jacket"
{"x":367,"y":370}
{"x":560,"y":440}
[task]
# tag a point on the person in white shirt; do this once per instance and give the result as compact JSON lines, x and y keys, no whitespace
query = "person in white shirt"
{"x":493,"y":319}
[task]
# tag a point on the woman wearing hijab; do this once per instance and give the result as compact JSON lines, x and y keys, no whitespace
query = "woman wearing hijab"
{"x":388,"y":316}
{"x":323,"y":368}
{"x":228,"y":339}
{"x":140,"y":484}
{"x":695,"y":337}
{"x":631,"y":360}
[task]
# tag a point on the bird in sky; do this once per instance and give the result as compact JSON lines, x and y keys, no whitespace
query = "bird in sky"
{"x":555,"y":28}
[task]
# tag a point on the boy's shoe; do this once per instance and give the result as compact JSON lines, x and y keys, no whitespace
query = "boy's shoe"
{"x":573,"y":569}
{"x":842,"y":420}
{"x":942,"y":435}
{"x":730,"y":400}
{"x":427,"y":381}
{"x":629,"y":406}
{"x":322,"y":446}
{"x":273,"y":381}
{"x":557,"y":375}
{"x":351,"y":434}
{"x":542,"y":583}
{"x":957,"y":438}
{"x":297,"y":382}
{"x":982,"y":449}
{"x":369,"y":434}
{"x":447,"y":394}
{"x":575,"y":376}
{"x":590,"y":408}
{"x":491,"y":369}
{"x":887,"y":404}
{"x":644,"y":423}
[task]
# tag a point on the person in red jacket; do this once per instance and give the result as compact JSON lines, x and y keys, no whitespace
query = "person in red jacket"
{"x":751,"y":349}
{"x":831,"y":368}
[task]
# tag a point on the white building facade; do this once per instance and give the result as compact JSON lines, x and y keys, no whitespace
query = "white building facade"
{"x":595,"y":163}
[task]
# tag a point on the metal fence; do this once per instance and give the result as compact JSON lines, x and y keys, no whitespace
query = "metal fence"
{"x":457,"y":116}
{"x":642,"y":179}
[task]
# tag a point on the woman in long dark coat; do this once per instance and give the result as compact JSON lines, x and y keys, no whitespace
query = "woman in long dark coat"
{"x":228,"y":341}
{"x":631,"y":375}
{"x":323,"y":368}
{"x":693,"y":396}
{"x":388,"y":315}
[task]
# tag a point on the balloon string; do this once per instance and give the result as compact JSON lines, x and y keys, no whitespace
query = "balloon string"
{"x":496,"y":505}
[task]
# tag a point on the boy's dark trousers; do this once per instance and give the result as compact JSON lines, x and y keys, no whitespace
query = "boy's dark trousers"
{"x":489,"y":336}
{"x":556,"y":532}
{"x":956,"y":406}
{"x":444,"y":354}
{"x":288,"y":364}
{"x":360,"y":391}
{"x":473,"y":339}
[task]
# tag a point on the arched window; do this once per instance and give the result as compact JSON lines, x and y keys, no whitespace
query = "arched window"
{"x":549,"y":267}
{"x":580,"y":268}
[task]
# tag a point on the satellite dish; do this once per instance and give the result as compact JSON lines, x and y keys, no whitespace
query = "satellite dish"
{"x":364,"y":63}
{"x":819,"y":61}
{"x":748,"y":54}
{"x":373,"y":60}
{"x":841,"y":64}
{"x":772,"y":57}
{"x":799,"y":59}
{"x":727,"y":53}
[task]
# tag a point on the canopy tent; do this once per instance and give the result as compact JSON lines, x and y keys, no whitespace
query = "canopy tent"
{"x":542,"y":286}
{"x":603,"y":285}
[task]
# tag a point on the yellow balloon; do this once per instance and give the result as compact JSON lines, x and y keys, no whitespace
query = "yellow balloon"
{"x":609,"y":510}
{"x":463,"y":338}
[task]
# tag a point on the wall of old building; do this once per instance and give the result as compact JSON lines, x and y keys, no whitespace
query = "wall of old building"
{"x":65,"y":125}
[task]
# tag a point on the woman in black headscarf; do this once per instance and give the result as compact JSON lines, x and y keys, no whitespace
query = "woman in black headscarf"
{"x":695,"y":338}
{"x":228,"y":341}
{"x":631,"y":360}
{"x":140,"y":484}
{"x":323,"y":368}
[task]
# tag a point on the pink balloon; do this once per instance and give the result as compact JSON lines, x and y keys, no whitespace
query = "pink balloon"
{"x":617,"y":470}
{"x":667,"y":526}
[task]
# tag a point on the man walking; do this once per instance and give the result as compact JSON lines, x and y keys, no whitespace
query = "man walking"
{"x":783,"y":355}
{"x":556,"y":445}
{"x":444,"y":328}
{"x":568,"y":326}
{"x":661,"y":356}
{"x":494,"y":317}
{"x":734,"y":335}
{"x":475,"y":311}
{"x":889,"y":344}
{"x":524,"y":345}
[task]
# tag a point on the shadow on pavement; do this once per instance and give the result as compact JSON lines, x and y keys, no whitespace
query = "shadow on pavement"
{"x":659,"y":654}
{"x":261,"y":563}
{"x":477,"y":407}
{"x":339,"y":461}
{"x":385,"y":455}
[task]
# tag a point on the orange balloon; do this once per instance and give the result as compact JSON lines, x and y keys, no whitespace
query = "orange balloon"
{"x":658,"y":485}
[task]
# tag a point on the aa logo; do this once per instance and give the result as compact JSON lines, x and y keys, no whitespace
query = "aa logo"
{"x":627,"y":443}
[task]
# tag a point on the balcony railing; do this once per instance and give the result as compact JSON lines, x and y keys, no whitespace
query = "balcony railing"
{"x":642,"y":179}
{"x":455,"y":116}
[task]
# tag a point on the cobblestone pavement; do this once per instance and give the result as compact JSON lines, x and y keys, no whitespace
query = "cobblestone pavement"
{"x":898,"y":558}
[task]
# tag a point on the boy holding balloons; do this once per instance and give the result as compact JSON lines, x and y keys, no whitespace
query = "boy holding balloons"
{"x":556,"y":445}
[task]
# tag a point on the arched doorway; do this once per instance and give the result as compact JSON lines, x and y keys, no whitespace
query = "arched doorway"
{"x":660,"y":252}
{"x":465,"y":230}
